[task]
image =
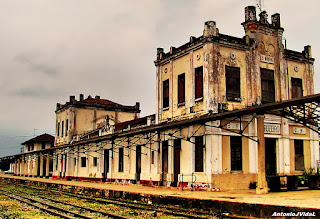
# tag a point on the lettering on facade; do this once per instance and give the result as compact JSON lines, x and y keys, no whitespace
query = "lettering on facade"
{"x":301,"y":131}
{"x":234,"y":126}
{"x":267,"y":59}
{"x":272,"y":128}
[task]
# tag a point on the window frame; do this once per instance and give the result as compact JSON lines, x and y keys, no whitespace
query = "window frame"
{"x":199,"y":154}
{"x":236,"y":148}
{"x":165,"y":94}
{"x":267,"y":80}
{"x":296,"y":87}
{"x":233,"y":83}
{"x":83,"y":161}
{"x":198,"y":83}
{"x":181,"y":89}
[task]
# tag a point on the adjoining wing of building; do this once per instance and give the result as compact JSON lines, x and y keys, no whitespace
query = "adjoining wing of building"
{"x":230,"y":111}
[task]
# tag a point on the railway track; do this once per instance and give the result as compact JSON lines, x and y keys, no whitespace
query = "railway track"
{"x":168,"y":210}
{"x":126,"y":208}
{"x":49,"y":205}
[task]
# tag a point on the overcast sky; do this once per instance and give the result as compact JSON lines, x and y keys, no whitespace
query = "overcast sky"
{"x":53,"y":49}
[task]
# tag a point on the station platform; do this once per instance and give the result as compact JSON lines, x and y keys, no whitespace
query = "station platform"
{"x":239,"y":202}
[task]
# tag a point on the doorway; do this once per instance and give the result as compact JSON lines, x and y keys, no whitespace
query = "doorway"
{"x":138,"y":163}
{"x":164,"y":162}
{"x":270,"y":156}
{"x":176,"y":162}
{"x":106,"y":164}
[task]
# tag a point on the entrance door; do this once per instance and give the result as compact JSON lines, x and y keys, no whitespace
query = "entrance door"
{"x":106,"y":164}
{"x":271,"y":161}
{"x":44,"y":167}
{"x":176,"y":168}
{"x":164,"y":162}
{"x":138,"y":163}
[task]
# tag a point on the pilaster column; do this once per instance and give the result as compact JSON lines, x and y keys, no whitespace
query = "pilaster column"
{"x":262,"y":186}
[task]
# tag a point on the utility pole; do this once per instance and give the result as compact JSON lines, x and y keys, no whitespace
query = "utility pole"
{"x":34,"y":132}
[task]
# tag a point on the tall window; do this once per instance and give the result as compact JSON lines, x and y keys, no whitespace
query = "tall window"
{"x":95,"y":161}
{"x":296,"y":86}
{"x":165,"y":93}
{"x":120,"y":160}
{"x":62,"y":127}
{"x":198,"y":154}
{"x":299,"y":157}
{"x":83,"y":162}
{"x":43,"y":146}
{"x":67,"y":126}
{"x":267,"y":85}
{"x":236,"y":152}
{"x":232,"y":83}
{"x":181,"y":88}
{"x":199,"y":82}
{"x":58,"y":129}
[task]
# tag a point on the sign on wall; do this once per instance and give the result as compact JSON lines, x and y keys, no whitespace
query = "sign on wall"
{"x":234,"y":126}
{"x":267,"y":59}
{"x":301,"y":131}
{"x":272,"y":128}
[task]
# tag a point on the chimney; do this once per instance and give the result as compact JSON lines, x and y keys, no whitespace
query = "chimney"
{"x":58,"y":106}
{"x":275,"y":18}
{"x":137,"y":105}
{"x":210,"y":29}
{"x":159,"y":53}
{"x":97,"y":97}
{"x":250,"y":13}
{"x":307,"y":52}
{"x":192,"y":39}
{"x":72,"y":99}
{"x":172,"y":49}
{"x":81,"y":97}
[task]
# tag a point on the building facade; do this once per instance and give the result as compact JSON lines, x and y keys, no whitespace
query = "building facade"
{"x":231,"y":112}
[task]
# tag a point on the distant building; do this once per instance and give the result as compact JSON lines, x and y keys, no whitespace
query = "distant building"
{"x":37,"y":160}
{"x":38,"y":143}
{"x":78,"y":117}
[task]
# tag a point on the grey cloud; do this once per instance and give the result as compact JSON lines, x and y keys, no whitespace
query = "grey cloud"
{"x":36,"y":92}
{"x":35,"y":63}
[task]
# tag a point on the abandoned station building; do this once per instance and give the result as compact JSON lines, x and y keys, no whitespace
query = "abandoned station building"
{"x":229,"y":112}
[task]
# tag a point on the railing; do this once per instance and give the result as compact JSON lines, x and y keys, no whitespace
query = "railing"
{"x":184,"y":178}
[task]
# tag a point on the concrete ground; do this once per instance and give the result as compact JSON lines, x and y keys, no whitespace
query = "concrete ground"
{"x":308,"y":199}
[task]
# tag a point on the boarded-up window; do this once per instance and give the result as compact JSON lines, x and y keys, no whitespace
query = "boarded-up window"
{"x":198,"y":154}
{"x":166,"y":93}
{"x":83,"y":161}
{"x":199,"y":82}
{"x":296,"y":86}
{"x":236,"y":152}
{"x":181,"y":88}
{"x":267,"y":85}
{"x":299,"y":157}
{"x":232,"y":82}
{"x":120,"y":160}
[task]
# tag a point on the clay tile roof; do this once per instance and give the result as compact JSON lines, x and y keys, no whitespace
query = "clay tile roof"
{"x":41,"y":138}
{"x":99,"y":101}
